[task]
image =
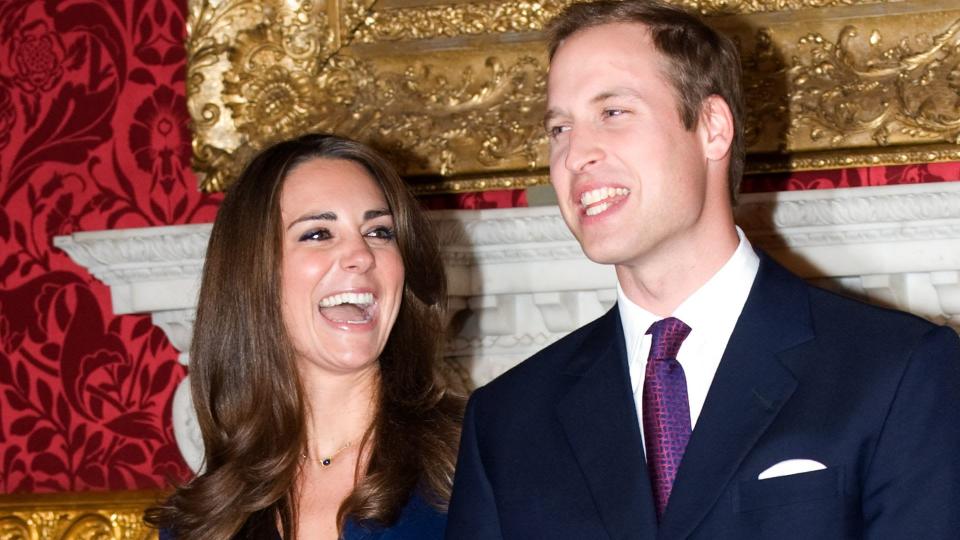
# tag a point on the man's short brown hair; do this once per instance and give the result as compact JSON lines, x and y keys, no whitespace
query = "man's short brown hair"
{"x":700,"y":62}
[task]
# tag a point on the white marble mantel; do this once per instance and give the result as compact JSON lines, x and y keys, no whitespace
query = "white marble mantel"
{"x":518,"y":280}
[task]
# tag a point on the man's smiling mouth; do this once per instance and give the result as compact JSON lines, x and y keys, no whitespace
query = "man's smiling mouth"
{"x":597,"y":201}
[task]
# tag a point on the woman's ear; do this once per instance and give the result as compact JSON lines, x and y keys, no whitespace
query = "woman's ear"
{"x":716,"y":124}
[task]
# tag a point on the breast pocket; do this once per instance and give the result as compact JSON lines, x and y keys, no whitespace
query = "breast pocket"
{"x":788,"y":490}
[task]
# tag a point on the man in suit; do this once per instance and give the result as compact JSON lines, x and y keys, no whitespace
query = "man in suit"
{"x":722,"y":397}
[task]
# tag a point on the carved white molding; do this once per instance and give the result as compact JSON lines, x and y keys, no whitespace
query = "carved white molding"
{"x":519,"y":281}
{"x":148,"y":270}
{"x":858,"y":231}
{"x":185,"y":427}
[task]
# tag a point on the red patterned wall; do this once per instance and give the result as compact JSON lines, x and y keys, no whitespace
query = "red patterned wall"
{"x":94,"y":135}
{"x":857,"y":177}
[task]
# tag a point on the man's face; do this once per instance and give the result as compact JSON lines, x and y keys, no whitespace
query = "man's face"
{"x":630,"y":179}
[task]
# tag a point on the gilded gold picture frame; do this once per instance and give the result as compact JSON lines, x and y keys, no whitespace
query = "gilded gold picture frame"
{"x":77,"y":516}
{"x":454,"y":91}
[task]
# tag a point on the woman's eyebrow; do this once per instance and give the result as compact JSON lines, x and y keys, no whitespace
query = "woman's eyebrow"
{"x":322,"y":216}
{"x":332,"y":216}
{"x":373,"y":214}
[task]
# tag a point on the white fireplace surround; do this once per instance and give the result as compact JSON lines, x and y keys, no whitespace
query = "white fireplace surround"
{"x":518,"y":280}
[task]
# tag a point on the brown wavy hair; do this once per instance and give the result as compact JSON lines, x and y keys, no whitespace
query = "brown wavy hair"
{"x":700,"y":61}
{"x":246,"y":388}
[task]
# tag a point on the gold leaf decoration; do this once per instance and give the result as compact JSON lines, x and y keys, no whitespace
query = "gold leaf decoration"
{"x":478,"y":18}
{"x":437,"y":120}
{"x":455,"y":92}
{"x":450,"y":20}
{"x":77,"y":516}
{"x":908,"y":92}
{"x":724,"y":7}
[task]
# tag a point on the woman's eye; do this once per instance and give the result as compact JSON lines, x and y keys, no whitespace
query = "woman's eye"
{"x":382,"y":233}
{"x":315,"y":234}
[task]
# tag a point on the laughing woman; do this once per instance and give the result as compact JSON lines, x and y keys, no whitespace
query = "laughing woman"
{"x":314,"y":361}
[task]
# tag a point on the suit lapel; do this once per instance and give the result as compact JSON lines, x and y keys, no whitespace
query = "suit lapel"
{"x":599,"y":418}
{"x":749,"y":389}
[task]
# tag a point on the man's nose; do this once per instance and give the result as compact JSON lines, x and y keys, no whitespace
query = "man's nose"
{"x":583,"y":149}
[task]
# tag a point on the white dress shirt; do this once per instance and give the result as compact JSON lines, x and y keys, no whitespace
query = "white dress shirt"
{"x":711,"y":312}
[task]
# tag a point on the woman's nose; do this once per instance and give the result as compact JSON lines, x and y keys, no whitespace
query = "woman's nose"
{"x":357,"y":256}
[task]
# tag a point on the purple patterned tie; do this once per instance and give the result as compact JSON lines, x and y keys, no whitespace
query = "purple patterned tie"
{"x":666,"y":410}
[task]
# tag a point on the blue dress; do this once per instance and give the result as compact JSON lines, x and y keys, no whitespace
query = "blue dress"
{"x":418,"y":521}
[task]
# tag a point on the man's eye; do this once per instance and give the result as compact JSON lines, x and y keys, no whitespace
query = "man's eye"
{"x":315,"y":234}
{"x":555,"y":131}
{"x":613,"y":112}
{"x":383,"y":233}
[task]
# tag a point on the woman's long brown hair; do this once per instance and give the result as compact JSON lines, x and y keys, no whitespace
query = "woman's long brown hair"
{"x":246,"y":388}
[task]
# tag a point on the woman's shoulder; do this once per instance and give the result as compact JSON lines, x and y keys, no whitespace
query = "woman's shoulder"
{"x":418,"y":520}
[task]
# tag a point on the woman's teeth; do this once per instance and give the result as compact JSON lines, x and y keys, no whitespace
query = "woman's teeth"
{"x":360,"y":299}
{"x":348,"y":308}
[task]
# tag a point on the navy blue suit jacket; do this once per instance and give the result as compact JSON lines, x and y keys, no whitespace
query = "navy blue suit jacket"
{"x":552,"y":449}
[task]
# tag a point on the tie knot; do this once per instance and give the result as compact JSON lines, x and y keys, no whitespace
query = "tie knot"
{"x":668,"y":335}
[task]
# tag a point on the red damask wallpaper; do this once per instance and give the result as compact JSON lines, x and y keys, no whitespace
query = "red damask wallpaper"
{"x":94,"y":134}
{"x":857,"y":177}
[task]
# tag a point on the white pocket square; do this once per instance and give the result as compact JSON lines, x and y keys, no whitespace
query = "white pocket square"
{"x":791,"y":466}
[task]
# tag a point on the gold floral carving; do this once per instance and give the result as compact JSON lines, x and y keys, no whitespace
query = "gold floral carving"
{"x":254,"y":62}
{"x":809,"y":93}
{"x":906,"y":92}
{"x":725,"y":7}
{"x":77,"y":516}
{"x":477,"y":18}
{"x":455,"y":92}
{"x":449,"y":20}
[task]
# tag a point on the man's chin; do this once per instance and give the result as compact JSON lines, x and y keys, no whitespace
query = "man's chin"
{"x":601,"y":254}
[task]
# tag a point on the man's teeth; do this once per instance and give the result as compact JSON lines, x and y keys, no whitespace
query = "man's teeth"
{"x":594,"y":210}
{"x":596,"y":195}
{"x":360,"y":299}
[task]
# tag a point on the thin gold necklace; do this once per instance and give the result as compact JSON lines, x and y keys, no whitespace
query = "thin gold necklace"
{"x":327,"y":461}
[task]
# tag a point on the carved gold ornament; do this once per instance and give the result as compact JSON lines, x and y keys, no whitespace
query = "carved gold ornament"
{"x":454,"y":92}
{"x":77,"y":516}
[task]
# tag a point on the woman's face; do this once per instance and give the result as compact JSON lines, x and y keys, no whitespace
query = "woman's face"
{"x":342,"y":274}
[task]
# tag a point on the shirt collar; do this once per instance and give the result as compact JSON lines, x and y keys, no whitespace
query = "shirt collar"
{"x":721,"y":298}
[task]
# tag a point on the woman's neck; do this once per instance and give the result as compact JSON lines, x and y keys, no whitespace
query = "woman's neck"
{"x":340,"y":409}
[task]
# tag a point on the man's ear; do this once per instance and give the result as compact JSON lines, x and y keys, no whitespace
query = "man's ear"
{"x":716,"y":124}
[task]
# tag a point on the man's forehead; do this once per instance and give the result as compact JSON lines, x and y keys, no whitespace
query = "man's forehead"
{"x":636,"y":30}
{"x":604,"y":46}
{"x":610,"y":65}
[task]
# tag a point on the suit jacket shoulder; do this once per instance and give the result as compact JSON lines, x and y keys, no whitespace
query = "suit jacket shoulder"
{"x":870,"y":345}
{"x":870,"y":393}
{"x":852,"y":320}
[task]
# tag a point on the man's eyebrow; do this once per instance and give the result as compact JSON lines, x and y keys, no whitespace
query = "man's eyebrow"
{"x":616,"y":93}
{"x":322,"y":216}
{"x":548,"y":116}
{"x":599,"y":98}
